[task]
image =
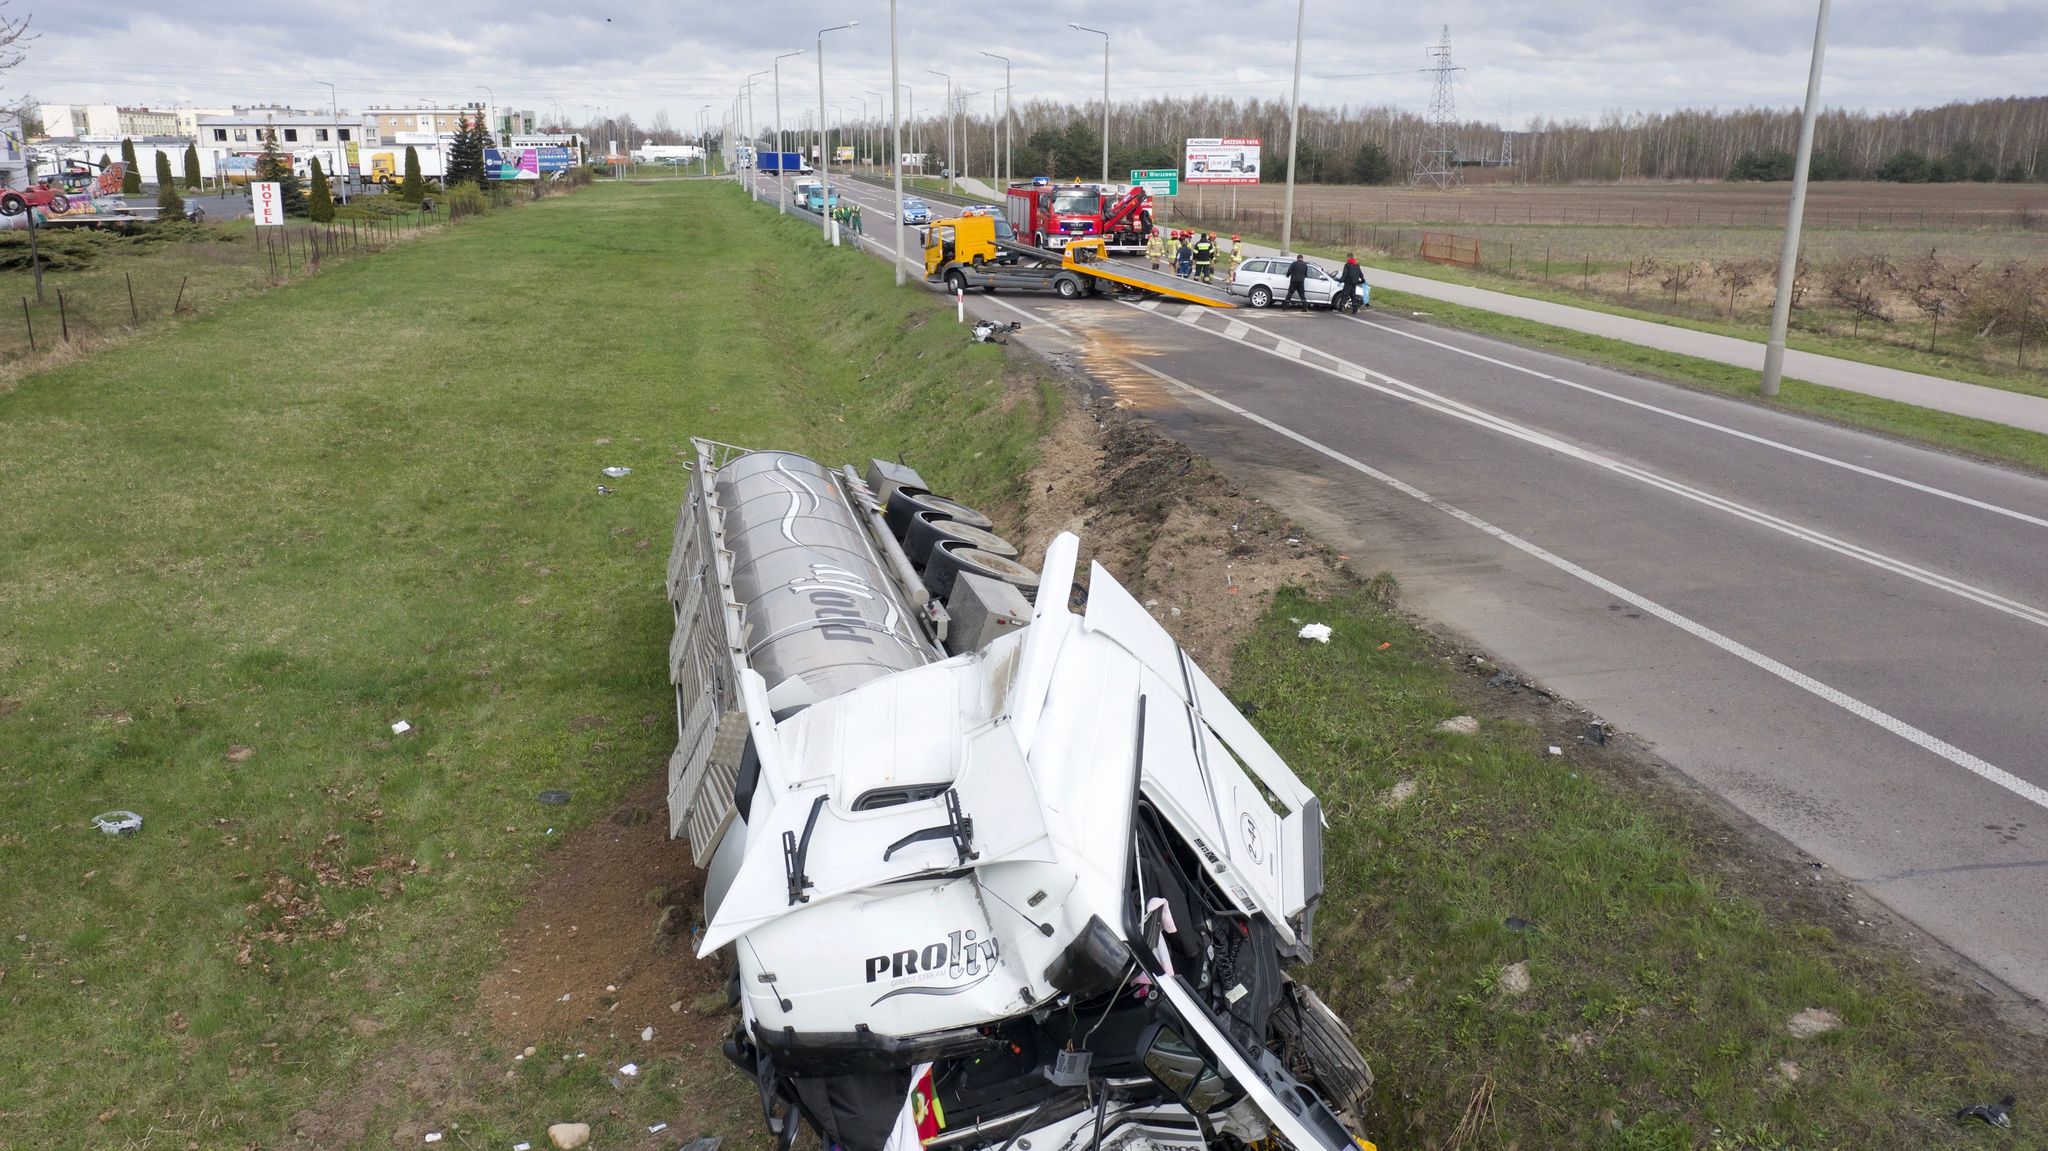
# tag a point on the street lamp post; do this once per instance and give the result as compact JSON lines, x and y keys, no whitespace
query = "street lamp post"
{"x":1009,"y":119}
{"x":952,"y":162}
{"x":1105,"y":94}
{"x":704,"y":139}
{"x":341,"y":155}
{"x":1293,"y":133}
{"x":492,"y":114}
{"x":1788,"y":258}
{"x":781,"y":177}
{"x":896,"y":141}
{"x":874,"y":129}
{"x":824,"y":160}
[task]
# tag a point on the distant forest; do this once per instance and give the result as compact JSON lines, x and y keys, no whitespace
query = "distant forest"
{"x":2003,"y":139}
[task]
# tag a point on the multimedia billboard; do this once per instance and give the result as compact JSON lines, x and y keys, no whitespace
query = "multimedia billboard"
{"x":525,"y":163}
{"x":1221,"y":161}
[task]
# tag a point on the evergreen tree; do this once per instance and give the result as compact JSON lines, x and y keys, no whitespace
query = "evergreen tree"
{"x":320,"y":203}
{"x":1371,"y":165}
{"x":169,"y":205}
{"x":275,"y":167}
{"x":163,"y":169}
{"x":191,"y":165}
{"x":131,"y":172}
{"x":466,"y":158}
{"x":412,"y":188}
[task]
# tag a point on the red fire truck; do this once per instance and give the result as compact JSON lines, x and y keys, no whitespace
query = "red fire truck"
{"x":1047,"y":215}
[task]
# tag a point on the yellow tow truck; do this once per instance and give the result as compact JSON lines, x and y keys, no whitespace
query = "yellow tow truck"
{"x":967,"y":252}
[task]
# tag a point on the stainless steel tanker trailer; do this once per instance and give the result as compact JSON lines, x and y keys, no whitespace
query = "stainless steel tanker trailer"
{"x":987,"y":872}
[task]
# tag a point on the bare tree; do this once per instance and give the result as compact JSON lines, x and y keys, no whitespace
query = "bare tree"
{"x":1937,"y":289}
{"x":1645,"y":267}
{"x":2012,"y":304}
{"x":1678,"y":278}
{"x":1738,"y":276}
{"x":1853,"y":283}
{"x":14,"y":37}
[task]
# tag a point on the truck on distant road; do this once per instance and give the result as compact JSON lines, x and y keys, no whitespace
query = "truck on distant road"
{"x":978,"y":252}
{"x":784,"y":162}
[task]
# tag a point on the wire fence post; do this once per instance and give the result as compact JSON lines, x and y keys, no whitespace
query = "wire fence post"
{"x":179,"y":306}
{"x":134,"y":315}
{"x":28,"y":323}
{"x":64,"y":319}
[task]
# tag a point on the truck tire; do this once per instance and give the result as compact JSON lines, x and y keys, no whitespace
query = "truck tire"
{"x":904,"y":503}
{"x":1068,"y":286}
{"x":956,"y":281}
{"x":1262,"y":297}
{"x":942,"y":570}
{"x":927,"y":531}
{"x":12,"y":204}
{"x":1320,"y":1049}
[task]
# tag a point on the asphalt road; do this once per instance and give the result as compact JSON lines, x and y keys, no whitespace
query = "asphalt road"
{"x":1843,"y":637}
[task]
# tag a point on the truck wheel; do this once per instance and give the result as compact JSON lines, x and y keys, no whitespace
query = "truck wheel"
{"x":956,"y":281}
{"x":1262,"y":297}
{"x":949,"y":559}
{"x":12,"y":204}
{"x":1069,"y":287}
{"x":928,"y":531}
{"x":904,"y":504}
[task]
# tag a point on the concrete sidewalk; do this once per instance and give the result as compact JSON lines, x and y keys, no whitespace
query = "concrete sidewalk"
{"x":1973,"y":400}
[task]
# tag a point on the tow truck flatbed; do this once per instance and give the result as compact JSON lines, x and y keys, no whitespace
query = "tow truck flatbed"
{"x":962,"y":253}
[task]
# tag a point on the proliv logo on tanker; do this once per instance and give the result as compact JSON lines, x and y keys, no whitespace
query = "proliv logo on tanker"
{"x":947,"y":967}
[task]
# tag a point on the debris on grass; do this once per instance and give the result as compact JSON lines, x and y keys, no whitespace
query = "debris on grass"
{"x":1517,"y":923}
{"x":1459,"y":725}
{"x":569,"y":1136}
{"x":1514,"y":979}
{"x":1319,"y":632}
{"x":1811,"y":1022}
{"x":1997,"y":1114}
{"x":618,"y":473}
{"x":117,"y":822}
{"x":553,"y":797}
{"x":1400,"y":793}
{"x":630,"y":1069}
{"x":400,"y":728}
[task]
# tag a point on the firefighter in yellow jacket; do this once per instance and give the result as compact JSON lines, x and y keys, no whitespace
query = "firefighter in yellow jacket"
{"x":1155,"y":247}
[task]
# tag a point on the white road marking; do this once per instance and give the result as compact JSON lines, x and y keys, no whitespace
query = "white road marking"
{"x":1744,"y":652}
{"x":1696,"y":421}
{"x":1236,"y":329}
{"x":1422,"y":397}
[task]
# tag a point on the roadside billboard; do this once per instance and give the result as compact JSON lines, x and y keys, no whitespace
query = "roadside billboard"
{"x":1222,"y":161}
{"x":266,"y":204}
{"x":525,"y":163}
{"x":843,"y":154}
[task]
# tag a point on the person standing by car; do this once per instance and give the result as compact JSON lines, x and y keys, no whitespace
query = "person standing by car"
{"x":1297,"y":282}
{"x":1236,"y":257}
{"x":1348,"y":280}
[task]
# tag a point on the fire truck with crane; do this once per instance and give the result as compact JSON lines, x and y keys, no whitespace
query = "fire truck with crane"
{"x":1048,"y":215}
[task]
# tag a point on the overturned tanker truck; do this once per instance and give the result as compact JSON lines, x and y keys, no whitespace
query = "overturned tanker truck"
{"x":986,"y":872}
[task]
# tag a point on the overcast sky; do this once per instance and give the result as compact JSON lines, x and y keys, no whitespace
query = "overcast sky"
{"x":1555,"y":58}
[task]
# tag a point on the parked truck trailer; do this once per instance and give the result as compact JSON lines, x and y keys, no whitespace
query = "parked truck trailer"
{"x":987,"y":870}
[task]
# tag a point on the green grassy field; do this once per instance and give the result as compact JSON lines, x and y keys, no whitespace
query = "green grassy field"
{"x":238,"y":549}
{"x":1659,"y":983}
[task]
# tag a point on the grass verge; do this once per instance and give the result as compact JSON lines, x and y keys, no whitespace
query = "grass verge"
{"x":1534,"y":952}
{"x":239,"y":549}
{"x":1980,"y":438}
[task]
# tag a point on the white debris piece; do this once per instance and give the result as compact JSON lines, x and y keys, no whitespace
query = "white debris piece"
{"x":630,"y":1069}
{"x":1319,"y":632}
{"x":657,"y":1128}
{"x":431,"y":1137}
{"x":400,"y":728}
{"x":618,"y":473}
{"x":647,"y":1034}
{"x":1556,"y":750}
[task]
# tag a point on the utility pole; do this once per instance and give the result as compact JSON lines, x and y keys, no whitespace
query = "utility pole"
{"x":1105,"y":94}
{"x":1788,"y":258}
{"x":334,"y":109}
{"x":1440,"y":153}
{"x":1009,"y":120}
{"x":1293,"y":134}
